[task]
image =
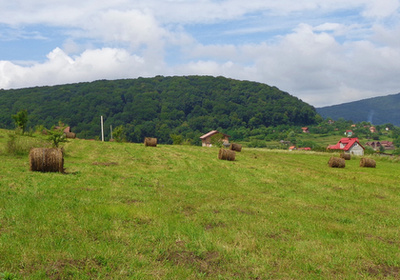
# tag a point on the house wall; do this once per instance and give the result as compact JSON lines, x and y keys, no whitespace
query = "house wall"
{"x":356,"y":150}
{"x":207,"y":141}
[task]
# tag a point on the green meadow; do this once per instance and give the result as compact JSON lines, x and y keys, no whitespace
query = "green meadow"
{"x":126,"y":211}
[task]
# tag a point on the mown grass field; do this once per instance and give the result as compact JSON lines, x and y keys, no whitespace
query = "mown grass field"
{"x":125,"y":211}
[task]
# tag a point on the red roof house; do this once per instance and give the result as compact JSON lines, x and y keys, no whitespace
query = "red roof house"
{"x":349,"y":146}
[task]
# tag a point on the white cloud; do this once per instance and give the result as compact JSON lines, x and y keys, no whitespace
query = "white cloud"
{"x":60,"y":68}
{"x":323,"y":60}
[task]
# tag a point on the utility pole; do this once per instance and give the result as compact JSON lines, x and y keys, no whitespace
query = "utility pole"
{"x":102,"y":129}
{"x":111,"y":132}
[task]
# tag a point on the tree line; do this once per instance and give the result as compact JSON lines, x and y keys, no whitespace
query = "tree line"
{"x":168,"y":108}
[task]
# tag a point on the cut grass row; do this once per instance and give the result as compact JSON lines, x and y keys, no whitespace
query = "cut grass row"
{"x":125,"y":211}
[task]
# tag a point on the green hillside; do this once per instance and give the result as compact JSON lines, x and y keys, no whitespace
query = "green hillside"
{"x":378,"y":110}
{"x":158,"y":107}
{"x":125,"y":211}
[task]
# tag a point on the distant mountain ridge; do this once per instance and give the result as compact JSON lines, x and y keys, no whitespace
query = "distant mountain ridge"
{"x":376,"y":110}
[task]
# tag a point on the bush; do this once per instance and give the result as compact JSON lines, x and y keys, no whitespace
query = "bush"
{"x":176,"y":139}
{"x":369,"y":151}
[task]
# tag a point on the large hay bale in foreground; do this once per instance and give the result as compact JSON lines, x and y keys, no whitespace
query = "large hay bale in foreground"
{"x":345,"y":156}
{"x":46,"y":160}
{"x":367,"y":162}
{"x":235,"y":147}
{"x":151,"y":142}
{"x":226,"y":154}
{"x":337,"y":162}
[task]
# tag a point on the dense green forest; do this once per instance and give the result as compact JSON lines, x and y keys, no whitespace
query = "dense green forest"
{"x":377,"y":110}
{"x":161,"y":107}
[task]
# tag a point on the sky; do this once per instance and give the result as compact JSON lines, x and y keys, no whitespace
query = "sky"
{"x":324,"y":52}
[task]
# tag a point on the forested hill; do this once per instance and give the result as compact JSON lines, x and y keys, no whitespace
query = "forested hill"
{"x":377,"y":110}
{"x":158,"y":107}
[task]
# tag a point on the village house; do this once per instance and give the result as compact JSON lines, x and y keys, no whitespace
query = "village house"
{"x":349,"y":133}
{"x":206,"y":138}
{"x":305,"y":130}
{"x":376,"y":145}
{"x":349,"y":146}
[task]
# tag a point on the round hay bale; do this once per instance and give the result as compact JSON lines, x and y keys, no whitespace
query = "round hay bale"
{"x":226,"y":154}
{"x":337,"y":162}
{"x":150,"y":142}
{"x":367,"y":162}
{"x":345,"y":156}
{"x":46,"y":160}
{"x":71,"y":135}
{"x":235,"y":147}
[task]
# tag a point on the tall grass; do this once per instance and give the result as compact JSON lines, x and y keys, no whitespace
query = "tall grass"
{"x":21,"y":145}
{"x":125,"y":211}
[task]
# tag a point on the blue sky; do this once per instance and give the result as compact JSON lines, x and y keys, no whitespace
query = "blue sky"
{"x":325,"y":52}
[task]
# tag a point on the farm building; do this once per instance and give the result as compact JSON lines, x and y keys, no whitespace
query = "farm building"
{"x":206,"y":138}
{"x":388,"y":145}
{"x":349,"y":146}
{"x":305,"y":130}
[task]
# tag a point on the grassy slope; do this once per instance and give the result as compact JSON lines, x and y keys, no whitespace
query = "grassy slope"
{"x":177,"y":212}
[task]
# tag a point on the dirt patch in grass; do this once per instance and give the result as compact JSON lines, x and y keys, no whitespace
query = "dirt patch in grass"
{"x":67,"y":268}
{"x":87,"y":189}
{"x":384,"y":240}
{"x":208,"y":262}
{"x":105,"y":163}
{"x":384,"y":270}
{"x":189,"y":210}
{"x":133,"y":201}
{"x":213,"y":225}
{"x":247,"y":212}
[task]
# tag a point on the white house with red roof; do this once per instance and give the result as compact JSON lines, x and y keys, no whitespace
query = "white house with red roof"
{"x":349,"y":146}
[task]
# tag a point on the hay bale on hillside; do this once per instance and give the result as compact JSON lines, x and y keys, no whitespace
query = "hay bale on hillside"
{"x":345,"y":156}
{"x":337,"y":162}
{"x":151,"y":142}
{"x":226,"y":154}
{"x":46,"y":160}
{"x":235,"y":147}
{"x":70,"y":135}
{"x":367,"y":162}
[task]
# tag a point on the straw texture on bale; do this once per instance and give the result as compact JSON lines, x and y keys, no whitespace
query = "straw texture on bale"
{"x":235,"y":147}
{"x":226,"y":154}
{"x":151,"y":142}
{"x":46,"y":160}
{"x":71,"y":135}
{"x":337,"y":162}
{"x":345,"y":156}
{"x":367,"y":162}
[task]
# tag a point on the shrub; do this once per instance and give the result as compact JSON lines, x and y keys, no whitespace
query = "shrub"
{"x":57,"y":135}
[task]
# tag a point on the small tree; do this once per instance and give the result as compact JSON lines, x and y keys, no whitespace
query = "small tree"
{"x":217,"y":140}
{"x":57,"y":135}
{"x":176,"y":139}
{"x":119,"y":134}
{"x":21,"y":119}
